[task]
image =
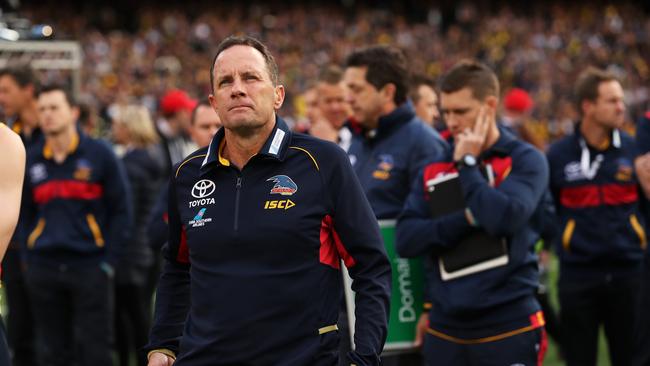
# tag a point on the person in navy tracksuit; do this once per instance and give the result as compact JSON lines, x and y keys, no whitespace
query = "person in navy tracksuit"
{"x":76,"y":221}
{"x":259,"y":223}
{"x":642,"y":167}
{"x":602,"y":243}
{"x":390,"y":144}
{"x":489,"y":317}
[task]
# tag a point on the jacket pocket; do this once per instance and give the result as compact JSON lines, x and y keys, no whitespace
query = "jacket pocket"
{"x":568,"y":234}
{"x":95,"y":230}
{"x":638,"y":229}
{"x":36,"y":233}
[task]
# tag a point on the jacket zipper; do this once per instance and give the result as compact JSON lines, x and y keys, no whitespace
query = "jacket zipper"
{"x":238,"y":190}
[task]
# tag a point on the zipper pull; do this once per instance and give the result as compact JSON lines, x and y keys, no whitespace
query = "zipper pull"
{"x":238,"y":182}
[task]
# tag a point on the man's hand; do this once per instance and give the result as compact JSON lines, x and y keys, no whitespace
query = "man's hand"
{"x":160,"y":359}
{"x":642,"y":168}
{"x":421,"y":329}
{"x":471,"y":141}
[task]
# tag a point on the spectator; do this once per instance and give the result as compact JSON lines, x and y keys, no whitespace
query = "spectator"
{"x":334,"y":110}
{"x":176,"y":107}
{"x":133,"y":128}
{"x":517,"y":106}
{"x":425,"y":100}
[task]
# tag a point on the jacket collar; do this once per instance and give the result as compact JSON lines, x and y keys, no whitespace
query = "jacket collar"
{"x":387,"y":123}
{"x":77,"y":138}
{"x":275,"y":147}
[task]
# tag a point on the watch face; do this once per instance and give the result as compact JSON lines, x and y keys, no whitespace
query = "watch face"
{"x":469,"y":160}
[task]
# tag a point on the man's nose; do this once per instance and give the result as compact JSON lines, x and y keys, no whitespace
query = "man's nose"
{"x":238,"y":88}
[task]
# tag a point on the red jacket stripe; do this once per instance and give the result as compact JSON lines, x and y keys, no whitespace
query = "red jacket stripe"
{"x":67,"y":189}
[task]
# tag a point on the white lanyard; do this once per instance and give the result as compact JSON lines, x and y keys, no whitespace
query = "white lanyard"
{"x":589,"y":169}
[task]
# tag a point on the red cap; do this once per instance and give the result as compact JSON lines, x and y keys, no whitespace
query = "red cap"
{"x":176,"y":100}
{"x":518,"y":100}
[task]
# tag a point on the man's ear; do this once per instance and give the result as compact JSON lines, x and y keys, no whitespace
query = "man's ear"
{"x":279,"y":97}
{"x":388,"y":92}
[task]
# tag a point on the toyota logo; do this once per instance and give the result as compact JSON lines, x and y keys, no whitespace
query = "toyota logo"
{"x":203,"y":188}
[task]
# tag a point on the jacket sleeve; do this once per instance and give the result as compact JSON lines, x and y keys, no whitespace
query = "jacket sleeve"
{"x":173,"y":293}
{"x":119,"y":211}
{"x":418,"y":233}
{"x":157,"y":227}
{"x":365,"y":258}
{"x":503,"y":210}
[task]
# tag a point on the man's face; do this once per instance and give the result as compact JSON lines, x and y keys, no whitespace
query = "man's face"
{"x":244,"y":95}
{"x":427,"y":106}
{"x":206,"y":123}
{"x":609,"y":108}
{"x":12,"y":97}
{"x":366,"y":101}
{"x":55,"y":113}
{"x":459,"y":110}
{"x":331,"y":101}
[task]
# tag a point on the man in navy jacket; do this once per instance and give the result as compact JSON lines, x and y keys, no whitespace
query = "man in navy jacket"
{"x":390,"y":143}
{"x":76,"y":218}
{"x":259,"y":223}
{"x":603,"y":240}
{"x":489,"y":317}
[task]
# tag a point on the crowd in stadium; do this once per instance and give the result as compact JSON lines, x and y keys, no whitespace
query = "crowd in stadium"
{"x":541,"y":49}
{"x":412,"y":96}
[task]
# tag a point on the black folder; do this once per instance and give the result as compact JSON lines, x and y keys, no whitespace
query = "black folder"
{"x":477,"y":251}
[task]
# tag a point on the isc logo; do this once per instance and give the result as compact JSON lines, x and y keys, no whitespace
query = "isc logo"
{"x":281,"y":204}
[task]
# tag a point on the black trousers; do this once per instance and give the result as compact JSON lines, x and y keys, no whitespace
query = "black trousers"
{"x":20,"y":322}
{"x":132,"y":318}
{"x":73,"y":314}
{"x":642,"y":332}
{"x":586,"y":305}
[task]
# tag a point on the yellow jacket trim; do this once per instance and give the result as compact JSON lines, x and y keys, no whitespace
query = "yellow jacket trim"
{"x":186,"y":161}
{"x":94,"y":228}
{"x":567,"y":234}
{"x":308,"y":154}
{"x":639,"y":231}
{"x":494,"y":338}
{"x":38,"y":230}
{"x":223,"y":161}
{"x":327,"y":329}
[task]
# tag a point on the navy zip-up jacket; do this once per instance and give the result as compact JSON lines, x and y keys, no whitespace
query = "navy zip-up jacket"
{"x":252,"y":273}
{"x":77,"y":212}
{"x":496,"y":296}
{"x":387,"y":160}
{"x":602,"y":225}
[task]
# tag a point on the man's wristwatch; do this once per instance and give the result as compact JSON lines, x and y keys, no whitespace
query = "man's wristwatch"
{"x":467,"y":161}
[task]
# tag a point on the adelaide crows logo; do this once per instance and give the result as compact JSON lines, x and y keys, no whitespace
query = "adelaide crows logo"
{"x":283,"y":185}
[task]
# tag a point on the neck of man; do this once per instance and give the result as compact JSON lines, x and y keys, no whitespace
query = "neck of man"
{"x":29,"y":117}
{"x":241,"y":146}
{"x":386,"y":109}
{"x":60,"y":143}
{"x":492,"y":137}
{"x":595,"y":135}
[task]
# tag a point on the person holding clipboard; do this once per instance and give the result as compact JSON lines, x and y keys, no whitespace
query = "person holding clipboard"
{"x":472,"y":217}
